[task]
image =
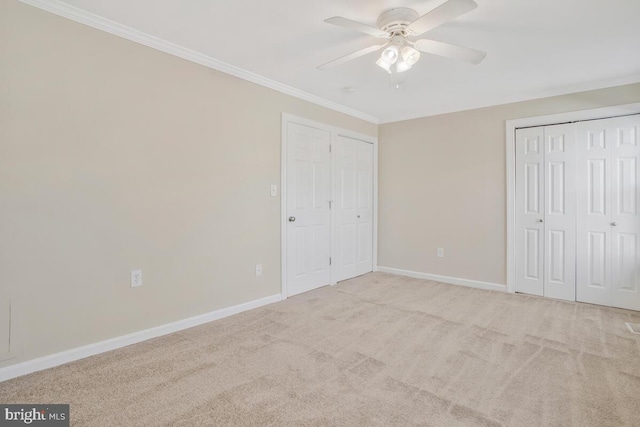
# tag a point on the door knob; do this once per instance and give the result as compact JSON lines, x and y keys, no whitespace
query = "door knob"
{"x":292,"y":218}
{"x":358,"y":216}
{"x":614,"y":224}
{"x":540,"y":220}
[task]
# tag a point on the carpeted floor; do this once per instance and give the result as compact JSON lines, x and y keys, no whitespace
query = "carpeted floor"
{"x":375,"y":350}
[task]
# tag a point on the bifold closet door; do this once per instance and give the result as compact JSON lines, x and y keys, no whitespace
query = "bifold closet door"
{"x":530,"y":211}
{"x":560,"y":212}
{"x":608,"y":259}
{"x":354,"y":207}
{"x":545,"y":211}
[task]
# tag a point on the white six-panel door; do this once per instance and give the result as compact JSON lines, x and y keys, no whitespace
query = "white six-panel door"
{"x":364,"y":203}
{"x":594,"y":213}
{"x":308,"y":195}
{"x":560,"y":212}
{"x":354,"y":207}
{"x":545,"y":211}
{"x":625,"y":195}
{"x":530,"y":211}
{"x":608,"y":218}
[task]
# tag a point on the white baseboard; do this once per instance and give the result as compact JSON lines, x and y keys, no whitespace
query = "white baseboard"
{"x":445,"y":279}
{"x":67,"y":356}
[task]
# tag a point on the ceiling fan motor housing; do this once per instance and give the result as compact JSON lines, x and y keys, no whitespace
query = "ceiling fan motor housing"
{"x":396,"y":20}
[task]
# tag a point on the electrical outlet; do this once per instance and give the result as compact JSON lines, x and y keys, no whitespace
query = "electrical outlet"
{"x":258,"y":270}
{"x":136,"y":278}
{"x":274,"y":190}
{"x":440,"y":253}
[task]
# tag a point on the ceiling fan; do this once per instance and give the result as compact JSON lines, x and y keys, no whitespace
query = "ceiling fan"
{"x":398,"y":26}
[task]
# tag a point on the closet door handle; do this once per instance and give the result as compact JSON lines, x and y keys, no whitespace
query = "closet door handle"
{"x":541,"y":221}
{"x":614,"y":224}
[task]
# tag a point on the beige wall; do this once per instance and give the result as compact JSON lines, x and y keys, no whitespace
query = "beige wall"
{"x":442,"y":183}
{"x":115,"y":156}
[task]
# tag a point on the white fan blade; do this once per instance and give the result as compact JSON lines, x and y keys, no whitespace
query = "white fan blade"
{"x":452,"y":51}
{"x":357,"y":26}
{"x":351,"y":56}
{"x":441,"y":14}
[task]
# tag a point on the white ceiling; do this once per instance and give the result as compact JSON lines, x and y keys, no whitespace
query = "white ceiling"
{"x":536,"y":48}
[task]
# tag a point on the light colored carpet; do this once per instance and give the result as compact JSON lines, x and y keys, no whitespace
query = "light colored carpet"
{"x":375,"y":350}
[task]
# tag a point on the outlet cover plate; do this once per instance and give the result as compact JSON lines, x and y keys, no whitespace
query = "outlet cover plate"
{"x":136,"y":278}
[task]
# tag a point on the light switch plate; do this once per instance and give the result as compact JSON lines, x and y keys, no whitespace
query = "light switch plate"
{"x":274,"y":190}
{"x":440,"y":253}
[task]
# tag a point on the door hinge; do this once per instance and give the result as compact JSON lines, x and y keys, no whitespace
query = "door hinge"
{"x":329,"y":147}
{"x":329,"y":260}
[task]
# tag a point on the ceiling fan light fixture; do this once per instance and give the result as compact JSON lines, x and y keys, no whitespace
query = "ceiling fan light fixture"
{"x":410,"y":55}
{"x":402,"y":65}
{"x":390,"y":55}
{"x":398,"y":26}
{"x":384,"y":65}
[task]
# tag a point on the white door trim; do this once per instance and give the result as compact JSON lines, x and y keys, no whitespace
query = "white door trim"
{"x":335,"y":132}
{"x":551,"y":119}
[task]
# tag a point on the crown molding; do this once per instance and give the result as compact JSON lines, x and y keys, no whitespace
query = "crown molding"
{"x":533,"y":95}
{"x":87,"y":18}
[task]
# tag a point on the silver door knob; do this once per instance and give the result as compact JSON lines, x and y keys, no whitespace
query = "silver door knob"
{"x":613,"y":224}
{"x":358,"y":216}
{"x":541,"y":220}
{"x":292,"y":218}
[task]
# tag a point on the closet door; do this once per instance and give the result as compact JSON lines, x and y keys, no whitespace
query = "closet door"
{"x":594,"y":212}
{"x":545,"y":211}
{"x":354,"y":207}
{"x":625,"y":218}
{"x":608,"y":259}
{"x":364,"y":208}
{"x":530,"y":211}
{"x":560,"y":212}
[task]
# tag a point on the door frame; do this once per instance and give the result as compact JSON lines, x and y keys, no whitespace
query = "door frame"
{"x":335,"y":132}
{"x":546,"y":120}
